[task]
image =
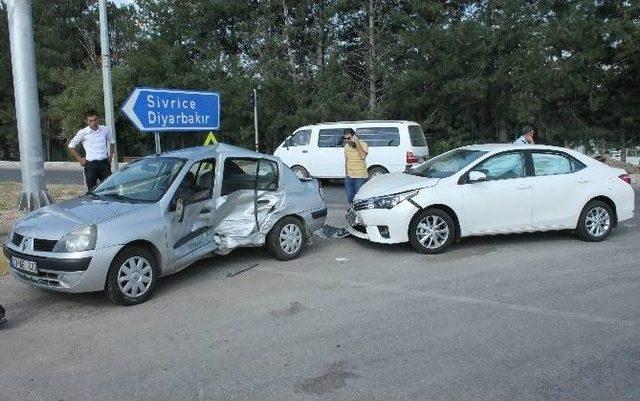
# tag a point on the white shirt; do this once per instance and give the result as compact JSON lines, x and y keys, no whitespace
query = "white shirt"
{"x":95,"y":143}
{"x":521,"y":141}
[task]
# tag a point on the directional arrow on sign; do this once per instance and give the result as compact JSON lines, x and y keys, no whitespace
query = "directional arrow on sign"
{"x":152,"y":109}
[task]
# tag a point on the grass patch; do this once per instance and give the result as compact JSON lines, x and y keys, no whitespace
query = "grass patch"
{"x":9,"y":213}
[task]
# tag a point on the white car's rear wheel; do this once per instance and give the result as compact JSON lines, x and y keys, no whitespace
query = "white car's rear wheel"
{"x":596,"y":221}
{"x":431,"y":231}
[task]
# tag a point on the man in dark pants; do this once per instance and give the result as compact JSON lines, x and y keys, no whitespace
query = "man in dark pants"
{"x":98,"y":143}
{"x":3,"y":319}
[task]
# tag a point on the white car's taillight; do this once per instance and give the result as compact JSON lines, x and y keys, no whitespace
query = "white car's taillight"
{"x":411,"y":159}
{"x":626,"y":178}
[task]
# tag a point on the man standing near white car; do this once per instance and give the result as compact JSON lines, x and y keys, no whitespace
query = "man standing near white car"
{"x":98,"y":143}
{"x":355,"y":154}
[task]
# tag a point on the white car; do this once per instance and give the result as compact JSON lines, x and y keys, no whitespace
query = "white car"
{"x":492,"y":189}
{"x":318,"y":150}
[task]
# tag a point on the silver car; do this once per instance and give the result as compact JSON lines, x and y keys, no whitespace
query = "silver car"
{"x":162,"y":213}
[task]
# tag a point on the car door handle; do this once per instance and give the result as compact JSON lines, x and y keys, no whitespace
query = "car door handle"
{"x":205,"y":210}
{"x":524,"y":186}
{"x":305,"y":151}
{"x":583,"y":180}
{"x":263,"y":201}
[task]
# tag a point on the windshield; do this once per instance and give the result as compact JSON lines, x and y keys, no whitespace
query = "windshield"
{"x":447,"y":164}
{"x":145,"y":180}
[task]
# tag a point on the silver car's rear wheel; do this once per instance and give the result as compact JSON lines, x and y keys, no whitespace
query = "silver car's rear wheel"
{"x":290,"y":238}
{"x":135,"y":276}
{"x":286,"y":239}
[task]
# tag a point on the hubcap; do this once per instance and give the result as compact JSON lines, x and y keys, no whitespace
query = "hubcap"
{"x":432,"y":232}
{"x":299,"y":173}
{"x":598,"y":221}
{"x":290,"y":238}
{"x":134,"y":276}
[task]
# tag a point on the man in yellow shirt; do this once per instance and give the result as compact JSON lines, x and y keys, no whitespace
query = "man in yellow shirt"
{"x":355,"y":166}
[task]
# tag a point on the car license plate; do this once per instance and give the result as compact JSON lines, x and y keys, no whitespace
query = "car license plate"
{"x":25,"y":265}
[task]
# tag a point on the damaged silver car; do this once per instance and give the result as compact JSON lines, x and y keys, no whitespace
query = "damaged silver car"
{"x":160,"y":214}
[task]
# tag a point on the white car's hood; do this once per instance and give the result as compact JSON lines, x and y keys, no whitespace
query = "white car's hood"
{"x":386,"y":184}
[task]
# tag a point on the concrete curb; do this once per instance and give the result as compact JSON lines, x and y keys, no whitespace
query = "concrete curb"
{"x":47,"y":165}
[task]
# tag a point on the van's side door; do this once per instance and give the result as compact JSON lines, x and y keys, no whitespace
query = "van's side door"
{"x":189,"y":234}
{"x":296,"y":151}
{"x":328,"y":157}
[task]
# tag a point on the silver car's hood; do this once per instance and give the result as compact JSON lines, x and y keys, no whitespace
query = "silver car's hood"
{"x":52,"y":222}
{"x":386,"y":184}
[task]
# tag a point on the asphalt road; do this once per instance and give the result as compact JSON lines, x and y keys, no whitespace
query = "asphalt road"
{"x":535,"y":317}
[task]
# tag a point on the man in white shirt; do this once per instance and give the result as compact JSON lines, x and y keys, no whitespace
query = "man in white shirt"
{"x":98,"y":142}
{"x":527,"y":136}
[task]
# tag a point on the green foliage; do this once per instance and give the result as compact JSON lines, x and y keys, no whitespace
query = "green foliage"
{"x":467,"y":71}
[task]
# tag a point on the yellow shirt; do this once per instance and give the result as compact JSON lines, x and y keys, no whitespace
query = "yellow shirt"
{"x":355,"y":164}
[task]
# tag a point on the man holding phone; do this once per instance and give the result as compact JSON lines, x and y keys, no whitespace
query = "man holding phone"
{"x":355,"y":166}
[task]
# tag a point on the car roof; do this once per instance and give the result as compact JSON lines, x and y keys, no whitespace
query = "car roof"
{"x":200,"y":152}
{"x":359,"y":122}
{"x":496,"y":147}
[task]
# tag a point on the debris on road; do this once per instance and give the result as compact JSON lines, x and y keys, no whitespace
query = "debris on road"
{"x":241,"y":270}
{"x":328,"y":231}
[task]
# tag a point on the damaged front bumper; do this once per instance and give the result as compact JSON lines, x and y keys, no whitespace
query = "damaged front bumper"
{"x":387,"y":226}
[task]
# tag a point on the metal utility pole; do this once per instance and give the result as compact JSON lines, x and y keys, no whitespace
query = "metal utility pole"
{"x":23,"y":64}
{"x":255,"y":117}
{"x":106,"y":77}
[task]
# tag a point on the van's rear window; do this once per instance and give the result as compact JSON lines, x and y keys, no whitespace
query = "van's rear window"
{"x":417,"y":136}
{"x":379,"y":136}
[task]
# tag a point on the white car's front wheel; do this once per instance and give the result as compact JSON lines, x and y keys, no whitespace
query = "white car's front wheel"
{"x":431,"y":231}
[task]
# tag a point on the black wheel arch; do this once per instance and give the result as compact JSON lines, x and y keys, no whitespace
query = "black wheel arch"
{"x":608,"y":201}
{"x":446,"y":209}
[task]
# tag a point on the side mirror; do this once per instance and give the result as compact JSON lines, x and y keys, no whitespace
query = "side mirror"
{"x":180,"y":209}
{"x":287,"y":143}
{"x":477,"y":176}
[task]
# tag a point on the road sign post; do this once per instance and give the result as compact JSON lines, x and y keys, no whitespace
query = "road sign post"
{"x":255,"y":118}
{"x":34,"y":193}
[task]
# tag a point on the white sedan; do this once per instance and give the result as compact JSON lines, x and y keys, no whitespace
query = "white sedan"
{"x":492,"y":189}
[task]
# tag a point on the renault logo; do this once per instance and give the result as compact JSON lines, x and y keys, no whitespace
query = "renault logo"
{"x":25,"y":244}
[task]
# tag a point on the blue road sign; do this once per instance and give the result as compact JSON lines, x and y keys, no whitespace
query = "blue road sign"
{"x":155,"y":110}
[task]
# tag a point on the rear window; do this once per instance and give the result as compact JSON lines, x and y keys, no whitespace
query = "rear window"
{"x":379,"y":136}
{"x":417,"y":136}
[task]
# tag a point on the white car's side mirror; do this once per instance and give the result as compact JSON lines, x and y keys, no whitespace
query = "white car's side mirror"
{"x":477,"y":176}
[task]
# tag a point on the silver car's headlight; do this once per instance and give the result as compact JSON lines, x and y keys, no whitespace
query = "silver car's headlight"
{"x":389,"y":201}
{"x":81,"y":239}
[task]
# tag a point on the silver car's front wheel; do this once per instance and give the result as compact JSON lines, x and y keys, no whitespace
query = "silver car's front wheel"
{"x":135,"y":276}
{"x":132,"y":276}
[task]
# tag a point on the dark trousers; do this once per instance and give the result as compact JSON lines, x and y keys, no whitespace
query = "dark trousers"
{"x":352,"y":186}
{"x":96,"y":170}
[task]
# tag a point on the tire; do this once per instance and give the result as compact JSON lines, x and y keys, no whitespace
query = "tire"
{"x":377,"y":170}
{"x":147,"y":276}
{"x":423,"y":242}
{"x":286,"y":239}
{"x":596,"y":221}
{"x":300,"y":171}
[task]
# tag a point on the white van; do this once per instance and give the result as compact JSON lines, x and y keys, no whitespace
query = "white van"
{"x":318,"y":150}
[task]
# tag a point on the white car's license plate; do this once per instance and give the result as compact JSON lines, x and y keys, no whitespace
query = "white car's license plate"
{"x":25,"y":265}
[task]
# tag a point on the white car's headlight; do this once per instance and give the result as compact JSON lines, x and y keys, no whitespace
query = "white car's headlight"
{"x":81,"y":239}
{"x":389,"y":201}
